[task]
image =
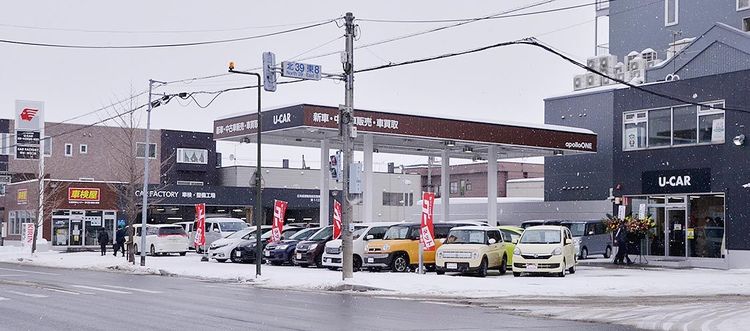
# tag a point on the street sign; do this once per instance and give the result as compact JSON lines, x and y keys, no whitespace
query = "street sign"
{"x":27,"y":152}
{"x":269,"y":77}
{"x":27,"y":137}
{"x":300,"y":70}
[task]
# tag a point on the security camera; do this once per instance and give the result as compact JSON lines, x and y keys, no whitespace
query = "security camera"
{"x":739,"y":140}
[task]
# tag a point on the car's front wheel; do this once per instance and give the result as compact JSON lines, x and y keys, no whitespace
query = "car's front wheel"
{"x":153,"y":250}
{"x":516,"y":274}
{"x":483,"y":268}
{"x":562,"y":272}
{"x":400,"y":263}
{"x":233,"y":256}
{"x":503,"y":268}
{"x":572,"y":269}
{"x":584,"y":253}
{"x":183,"y":253}
{"x":607,"y":252}
{"x":356,"y":263}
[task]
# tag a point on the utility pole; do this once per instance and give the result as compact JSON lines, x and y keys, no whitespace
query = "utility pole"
{"x":347,"y":124}
{"x":146,"y":156}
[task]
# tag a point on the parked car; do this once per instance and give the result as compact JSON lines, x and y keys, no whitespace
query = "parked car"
{"x":222,"y":249}
{"x":511,"y":235}
{"x":545,"y":249}
{"x":188,"y":226}
{"x":310,"y":251}
{"x":245,"y":251}
{"x":332,"y":255}
{"x":283,"y":252}
{"x":220,"y":227}
{"x":590,"y":238}
{"x":472,"y":249}
{"x":161,"y":239}
{"x":526,"y":224}
{"x":399,"y":249}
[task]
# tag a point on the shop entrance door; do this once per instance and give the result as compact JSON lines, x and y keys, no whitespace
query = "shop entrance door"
{"x":676,"y":231}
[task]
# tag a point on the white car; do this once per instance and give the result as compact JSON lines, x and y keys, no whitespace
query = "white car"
{"x":222,"y":249}
{"x":188,"y":226}
{"x":220,"y":227}
{"x":161,"y":239}
{"x":472,"y":249}
{"x":332,"y":255}
{"x":545,"y":249}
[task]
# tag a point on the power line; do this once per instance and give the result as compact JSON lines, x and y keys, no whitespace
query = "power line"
{"x":496,"y":17}
{"x":152,"y":46}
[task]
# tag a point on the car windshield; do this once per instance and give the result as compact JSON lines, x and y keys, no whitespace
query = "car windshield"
{"x":465,"y":237}
{"x":232,"y":226}
{"x":323,"y":234}
{"x":266,"y":234}
{"x":397,"y":232}
{"x":171,"y":230}
{"x":358,"y":233}
{"x":576,"y":229}
{"x":240,"y":233}
{"x":541,"y":237}
{"x":304,"y":234}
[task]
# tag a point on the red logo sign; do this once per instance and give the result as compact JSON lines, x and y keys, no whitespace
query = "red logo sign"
{"x":426,"y":229}
{"x":27,"y":114}
{"x":279,"y":211}
{"x":200,"y":227}
{"x":336,"y":219}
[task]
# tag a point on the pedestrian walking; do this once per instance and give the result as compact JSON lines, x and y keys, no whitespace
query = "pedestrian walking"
{"x":621,"y":237}
{"x":103,"y":240}
{"x":120,"y":241}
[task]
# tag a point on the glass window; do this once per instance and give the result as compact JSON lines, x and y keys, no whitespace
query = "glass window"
{"x":323,"y":234}
{"x":541,"y":237}
{"x":684,"y":125}
{"x":743,"y":4}
{"x":377,"y":232}
{"x":395,"y":199}
{"x":454,"y":187}
{"x":711,"y":124}
{"x":659,"y":127}
{"x":140,"y":150}
{"x":671,"y":12}
{"x":509,"y":236}
{"x":192,"y":155}
{"x":83,"y":149}
{"x":466,"y":237}
{"x":706,"y":226}
{"x":47,"y":146}
{"x":68,"y":149}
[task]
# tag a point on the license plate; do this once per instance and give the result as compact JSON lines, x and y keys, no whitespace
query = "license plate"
{"x":237,"y":253}
{"x":370,"y":260}
{"x":299,"y":256}
{"x":451,"y":266}
{"x":266,"y":253}
{"x":531,"y":267}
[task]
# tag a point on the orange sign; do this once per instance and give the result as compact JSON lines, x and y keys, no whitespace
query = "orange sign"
{"x":22,"y":197}
{"x":85,"y":195}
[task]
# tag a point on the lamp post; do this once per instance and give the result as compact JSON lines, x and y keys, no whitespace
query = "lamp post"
{"x":258,"y":203}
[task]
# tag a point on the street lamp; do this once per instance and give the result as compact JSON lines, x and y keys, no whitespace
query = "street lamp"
{"x":258,"y":203}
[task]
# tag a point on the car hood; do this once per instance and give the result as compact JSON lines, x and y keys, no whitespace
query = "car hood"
{"x":537,"y":248}
{"x":462,"y":247}
{"x":307,"y":243}
{"x":334,"y":243}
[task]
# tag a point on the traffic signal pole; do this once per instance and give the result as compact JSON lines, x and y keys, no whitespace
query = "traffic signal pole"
{"x":347,"y":123}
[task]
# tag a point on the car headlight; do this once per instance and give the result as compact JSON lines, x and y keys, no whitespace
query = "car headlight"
{"x":557,"y":251}
{"x":282,"y":247}
{"x":517,"y":251}
{"x":311,"y":247}
{"x":386,"y":247}
{"x":217,"y":246}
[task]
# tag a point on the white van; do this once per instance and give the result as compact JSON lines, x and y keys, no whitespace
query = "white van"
{"x":332,"y":255}
{"x":161,"y":239}
{"x":188,"y":226}
{"x":220,"y":227}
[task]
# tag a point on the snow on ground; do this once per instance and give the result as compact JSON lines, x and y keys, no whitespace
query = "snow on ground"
{"x":588,"y":281}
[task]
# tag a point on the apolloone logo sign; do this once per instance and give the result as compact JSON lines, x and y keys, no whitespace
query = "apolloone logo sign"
{"x":579,"y":145}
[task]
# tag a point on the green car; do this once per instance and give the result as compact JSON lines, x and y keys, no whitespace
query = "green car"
{"x":510,"y":234}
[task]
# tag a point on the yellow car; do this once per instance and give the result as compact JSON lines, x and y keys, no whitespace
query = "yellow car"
{"x":510,"y":233}
{"x":399,"y":248}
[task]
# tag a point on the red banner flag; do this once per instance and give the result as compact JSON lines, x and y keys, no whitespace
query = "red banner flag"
{"x":336,"y":219}
{"x":200,"y":226}
{"x":426,"y":230}
{"x":279,"y":212}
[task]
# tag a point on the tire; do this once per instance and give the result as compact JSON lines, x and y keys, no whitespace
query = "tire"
{"x":332,"y":268}
{"x":503,"y":268}
{"x":482,"y":272}
{"x":153,"y":250}
{"x":135,"y":249}
{"x":319,"y":261}
{"x":562,"y":273}
{"x":400,"y":263}
{"x":608,"y":252}
{"x":584,"y":253}
{"x":440,"y":272}
{"x":276,"y":263}
{"x":356,"y":263}
{"x":304,"y":265}
{"x":221,"y":260}
{"x":183,"y":253}
{"x":233,"y":258}
{"x":572,"y":269}
{"x":516,"y":274}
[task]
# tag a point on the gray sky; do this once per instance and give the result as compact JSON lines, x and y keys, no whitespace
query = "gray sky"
{"x":502,"y":84}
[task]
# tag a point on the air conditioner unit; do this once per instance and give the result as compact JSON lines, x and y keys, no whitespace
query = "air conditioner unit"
{"x":649,"y":55}
{"x":639,"y":75}
{"x":632,"y":55}
{"x":605,"y":81}
{"x":623,"y":76}
{"x":637,"y":63}
{"x":592,"y":80}
{"x":593,"y":63}
{"x":579,"y":82}
{"x":607,"y":63}
{"x":619,"y":68}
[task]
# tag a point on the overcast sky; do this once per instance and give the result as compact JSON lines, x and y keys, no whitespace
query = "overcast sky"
{"x":504,"y":84}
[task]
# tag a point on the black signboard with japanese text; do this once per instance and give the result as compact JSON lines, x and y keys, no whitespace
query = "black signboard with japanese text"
{"x":27,"y":152}
{"x":27,"y":137}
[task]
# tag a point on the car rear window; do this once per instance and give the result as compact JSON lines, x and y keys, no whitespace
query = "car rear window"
{"x":171,"y":230}
{"x":232,"y":226}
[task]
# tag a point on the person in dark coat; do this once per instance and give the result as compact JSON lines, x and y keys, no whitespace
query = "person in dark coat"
{"x":103,"y":240}
{"x":120,"y":241}
{"x":621,"y":236}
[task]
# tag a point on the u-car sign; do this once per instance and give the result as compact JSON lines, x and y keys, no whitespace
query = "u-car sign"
{"x":676,"y":181}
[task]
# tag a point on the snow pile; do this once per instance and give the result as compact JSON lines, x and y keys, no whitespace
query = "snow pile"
{"x":588,"y":281}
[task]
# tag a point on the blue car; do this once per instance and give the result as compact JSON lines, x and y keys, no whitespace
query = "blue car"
{"x":283,"y":252}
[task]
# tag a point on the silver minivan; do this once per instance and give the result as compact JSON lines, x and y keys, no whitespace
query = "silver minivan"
{"x":591,"y":238}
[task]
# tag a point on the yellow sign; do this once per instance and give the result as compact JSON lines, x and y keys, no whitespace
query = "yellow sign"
{"x":87,"y":195}
{"x":22,"y":197}
{"x":691,"y":233}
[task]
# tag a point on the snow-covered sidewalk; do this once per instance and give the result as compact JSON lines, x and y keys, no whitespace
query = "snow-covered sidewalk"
{"x":588,"y":281}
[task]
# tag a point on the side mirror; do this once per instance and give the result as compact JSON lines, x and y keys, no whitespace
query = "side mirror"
{"x":515,"y":241}
{"x":568,"y":241}
{"x":369,"y":237}
{"x":492,"y":241}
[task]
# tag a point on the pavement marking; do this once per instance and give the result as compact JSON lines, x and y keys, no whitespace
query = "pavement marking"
{"x":100,"y":289}
{"x":64,"y":291}
{"x":133,"y":289}
{"x":30,"y":295}
{"x":3,"y":299}
{"x":11,"y":275}
{"x":31,"y":272}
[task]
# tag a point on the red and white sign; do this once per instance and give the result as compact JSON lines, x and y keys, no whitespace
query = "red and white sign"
{"x":279,"y":212}
{"x":200,"y":227}
{"x":28,"y":234}
{"x":336,"y":219}
{"x":29,"y":115}
{"x":426,"y":229}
